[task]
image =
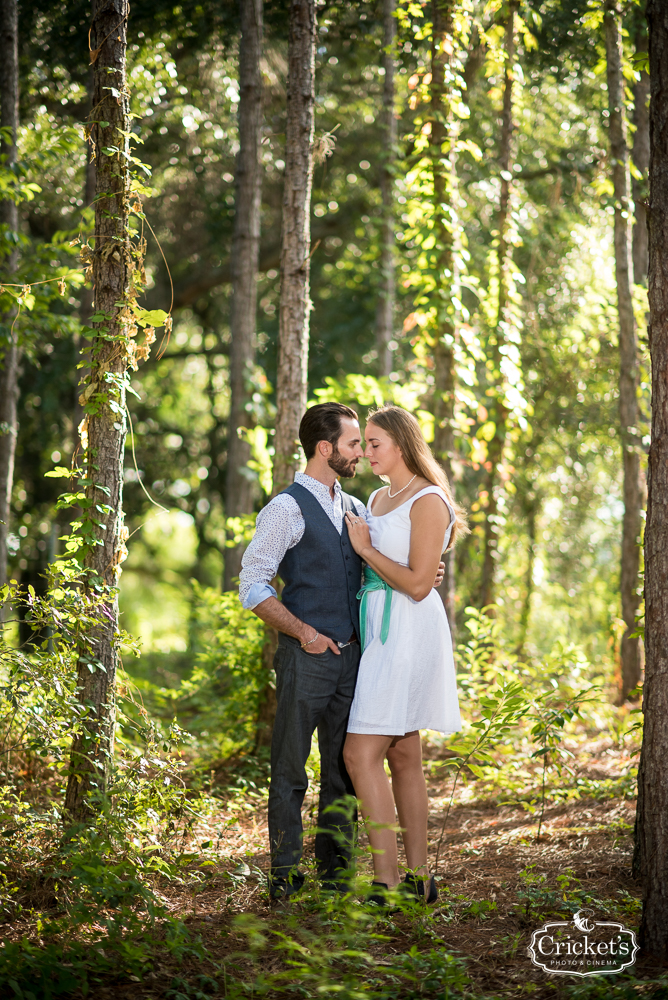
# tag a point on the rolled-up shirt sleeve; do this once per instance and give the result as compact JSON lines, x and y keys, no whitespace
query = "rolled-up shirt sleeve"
{"x":258,"y":593}
{"x":279,"y":527}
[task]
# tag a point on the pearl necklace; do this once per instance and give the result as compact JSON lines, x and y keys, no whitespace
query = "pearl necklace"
{"x":393,"y":495}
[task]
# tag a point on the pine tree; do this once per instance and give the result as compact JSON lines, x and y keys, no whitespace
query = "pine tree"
{"x":651,"y":860}
{"x":9,"y":345}
{"x":442,"y":163}
{"x":628,"y":350}
{"x":245,"y":251}
{"x":105,"y":422}
{"x":386,"y":300}
{"x":499,"y":409}
{"x":295,"y":303}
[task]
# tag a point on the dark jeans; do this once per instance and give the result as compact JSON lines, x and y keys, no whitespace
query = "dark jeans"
{"x":313,"y":691}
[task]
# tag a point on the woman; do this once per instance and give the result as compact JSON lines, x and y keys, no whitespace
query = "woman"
{"x":406,"y":678}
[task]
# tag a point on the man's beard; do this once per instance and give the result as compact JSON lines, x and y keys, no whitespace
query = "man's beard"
{"x":342,"y":466}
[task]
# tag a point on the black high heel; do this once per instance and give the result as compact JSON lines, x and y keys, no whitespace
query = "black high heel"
{"x":416,"y":887}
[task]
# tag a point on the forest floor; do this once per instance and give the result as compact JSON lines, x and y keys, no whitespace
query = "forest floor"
{"x":498,"y":883}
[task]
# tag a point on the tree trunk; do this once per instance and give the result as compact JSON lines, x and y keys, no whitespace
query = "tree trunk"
{"x":628,"y":353}
{"x":245,"y":252}
{"x":499,"y":411}
{"x":651,"y":828}
{"x":640,"y":156}
{"x":443,"y":400}
{"x":475,"y":60}
{"x":92,"y":744}
{"x":295,"y":303}
{"x":10,"y":357}
{"x":443,"y":446}
{"x":385,"y":311}
{"x":530,"y":508}
{"x":86,"y":299}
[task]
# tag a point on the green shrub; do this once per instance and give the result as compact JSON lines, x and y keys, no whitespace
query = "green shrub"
{"x":219,"y":702}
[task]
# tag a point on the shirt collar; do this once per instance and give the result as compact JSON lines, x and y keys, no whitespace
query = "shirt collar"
{"x":315,"y":486}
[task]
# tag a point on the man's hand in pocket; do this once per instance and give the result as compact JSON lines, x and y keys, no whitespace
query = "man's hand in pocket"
{"x":321,"y":644}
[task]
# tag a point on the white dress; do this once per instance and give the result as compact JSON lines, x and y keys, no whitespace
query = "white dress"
{"x":408,"y":682}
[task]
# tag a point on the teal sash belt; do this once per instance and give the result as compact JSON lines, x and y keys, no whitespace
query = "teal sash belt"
{"x":373,"y":582}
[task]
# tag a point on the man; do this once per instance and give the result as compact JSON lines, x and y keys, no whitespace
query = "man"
{"x":301,"y":535}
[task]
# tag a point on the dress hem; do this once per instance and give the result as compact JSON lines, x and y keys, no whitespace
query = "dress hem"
{"x":364,"y":729}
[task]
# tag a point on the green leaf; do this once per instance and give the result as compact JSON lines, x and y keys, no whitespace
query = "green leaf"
{"x":60,"y":472}
{"x":149,"y":317}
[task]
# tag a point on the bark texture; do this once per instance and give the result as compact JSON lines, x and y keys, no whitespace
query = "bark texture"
{"x":628,"y":353}
{"x":499,"y":412}
{"x":443,"y":401}
{"x":9,"y":346}
{"x":245,"y":252}
{"x":86,"y":294}
{"x":640,"y":156}
{"x":652,"y":816}
{"x":295,"y":303}
{"x":92,"y":744}
{"x":386,"y":300}
{"x":530,"y":510}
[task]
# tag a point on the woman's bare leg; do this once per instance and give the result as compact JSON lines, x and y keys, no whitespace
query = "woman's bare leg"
{"x":410,"y":794}
{"x":364,"y":756}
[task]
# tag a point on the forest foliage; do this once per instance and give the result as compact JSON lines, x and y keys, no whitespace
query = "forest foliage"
{"x":560,"y":508}
{"x":537,"y":675}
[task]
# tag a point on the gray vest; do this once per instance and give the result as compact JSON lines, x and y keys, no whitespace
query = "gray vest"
{"x":322,"y":572}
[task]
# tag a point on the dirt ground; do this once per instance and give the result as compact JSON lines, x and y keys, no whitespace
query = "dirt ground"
{"x":482,"y":911}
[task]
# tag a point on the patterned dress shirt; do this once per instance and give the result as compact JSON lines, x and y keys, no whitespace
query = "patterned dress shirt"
{"x":279,"y":527}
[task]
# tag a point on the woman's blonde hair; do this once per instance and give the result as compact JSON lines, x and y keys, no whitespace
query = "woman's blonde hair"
{"x":405,"y":431}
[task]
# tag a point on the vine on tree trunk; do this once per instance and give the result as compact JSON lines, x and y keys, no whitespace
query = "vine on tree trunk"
{"x":120,"y":334}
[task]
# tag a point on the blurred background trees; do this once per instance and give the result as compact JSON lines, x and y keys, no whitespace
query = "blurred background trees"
{"x":462,"y":263}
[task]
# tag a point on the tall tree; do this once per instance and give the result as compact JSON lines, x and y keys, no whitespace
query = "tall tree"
{"x":104,"y":396}
{"x":499,"y":409}
{"x":86,"y":294}
{"x":640,"y":157}
{"x":442,"y":169}
{"x":244,"y":262}
{"x":9,"y":345}
{"x":628,"y":350}
{"x":651,"y":828}
{"x":295,"y":303}
{"x":386,"y":299}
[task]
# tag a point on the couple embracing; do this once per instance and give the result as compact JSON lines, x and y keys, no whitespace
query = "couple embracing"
{"x":364,"y":650}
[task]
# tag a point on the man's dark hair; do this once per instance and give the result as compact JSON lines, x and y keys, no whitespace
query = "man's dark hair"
{"x":322,"y":423}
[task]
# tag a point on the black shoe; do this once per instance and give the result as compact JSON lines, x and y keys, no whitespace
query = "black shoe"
{"x":381,"y":898}
{"x":340,"y":885}
{"x":415,"y":886}
{"x":282,"y":888}
{"x":336,"y":879}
